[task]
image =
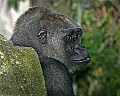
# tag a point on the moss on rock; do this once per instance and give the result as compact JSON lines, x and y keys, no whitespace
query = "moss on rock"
{"x":20,"y":71}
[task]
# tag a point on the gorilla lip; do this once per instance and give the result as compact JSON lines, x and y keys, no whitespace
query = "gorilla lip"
{"x":83,"y":60}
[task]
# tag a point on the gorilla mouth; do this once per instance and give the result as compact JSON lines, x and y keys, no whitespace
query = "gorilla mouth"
{"x":82,"y":60}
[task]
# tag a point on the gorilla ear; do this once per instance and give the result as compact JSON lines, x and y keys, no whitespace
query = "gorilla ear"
{"x":42,"y":36}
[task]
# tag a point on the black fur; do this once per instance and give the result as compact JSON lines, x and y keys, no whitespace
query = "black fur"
{"x":56,"y":39}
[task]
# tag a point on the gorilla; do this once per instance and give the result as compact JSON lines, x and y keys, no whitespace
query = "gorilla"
{"x":56,"y":39}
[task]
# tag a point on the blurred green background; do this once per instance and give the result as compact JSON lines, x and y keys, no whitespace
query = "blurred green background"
{"x":100,"y":20}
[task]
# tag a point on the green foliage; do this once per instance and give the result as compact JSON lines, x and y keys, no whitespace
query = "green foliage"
{"x":102,"y":76}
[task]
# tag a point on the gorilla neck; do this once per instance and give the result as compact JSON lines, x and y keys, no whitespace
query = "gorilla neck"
{"x":57,"y":78}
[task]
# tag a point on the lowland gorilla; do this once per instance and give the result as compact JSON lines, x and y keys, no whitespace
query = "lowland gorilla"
{"x":56,"y":39}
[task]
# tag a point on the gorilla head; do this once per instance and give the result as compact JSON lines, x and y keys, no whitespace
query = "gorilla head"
{"x":52,"y":35}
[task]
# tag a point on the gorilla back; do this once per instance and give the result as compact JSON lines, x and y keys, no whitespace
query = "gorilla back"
{"x":56,"y":38}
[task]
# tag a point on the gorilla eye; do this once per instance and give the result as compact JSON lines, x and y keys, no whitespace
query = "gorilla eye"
{"x":75,"y":36}
{"x":67,"y":37}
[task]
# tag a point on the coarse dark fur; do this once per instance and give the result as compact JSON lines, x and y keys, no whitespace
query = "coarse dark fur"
{"x":56,"y":39}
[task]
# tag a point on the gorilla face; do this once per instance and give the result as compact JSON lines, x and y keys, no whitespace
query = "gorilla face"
{"x":64,"y":45}
{"x":76,"y":54}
